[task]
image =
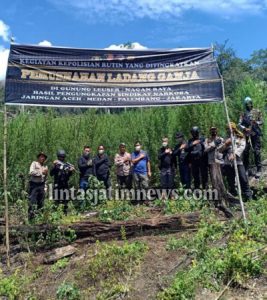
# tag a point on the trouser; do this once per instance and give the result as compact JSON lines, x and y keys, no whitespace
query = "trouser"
{"x":166,"y":178}
{"x":167,"y":181}
{"x":141,"y":185}
{"x":62,"y":195}
{"x":200,"y":170}
{"x":255,"y":142}
{"x":36,"y":197}
{"x":124,"y":182}
{"x":185,"y":175}
{"x":84,"y":184}
{"x":229,"y":172}
{"x":105,"y":179}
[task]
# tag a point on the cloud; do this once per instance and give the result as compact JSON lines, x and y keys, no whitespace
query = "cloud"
{"x":4,"y":58}
{"x":125,"y":10}
{"x":45,"y":43}
{"x":3,"y":61}
{"x":4,"y":31}
{"x":134,"y":46}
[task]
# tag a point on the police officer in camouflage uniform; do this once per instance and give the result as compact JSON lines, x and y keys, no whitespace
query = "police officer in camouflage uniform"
{"x":250,"y":123}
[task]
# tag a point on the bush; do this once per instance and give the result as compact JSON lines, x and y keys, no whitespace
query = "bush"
{"x":68,"y":291}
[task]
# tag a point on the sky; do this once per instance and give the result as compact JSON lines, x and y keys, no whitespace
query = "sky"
{"x":148,"y":23}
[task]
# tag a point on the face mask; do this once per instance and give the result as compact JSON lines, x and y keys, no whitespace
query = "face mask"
{"x":86,"y":155}
{"x":249,"y":106}
{"x":137,"y":148}
{"x":213,"y":133}
{"x":164,"y":144}
{"x":179,"y":141}
{"x":101,"y":151}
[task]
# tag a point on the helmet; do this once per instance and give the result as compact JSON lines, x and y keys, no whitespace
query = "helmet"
{"x":195,"y":130}
{"x":179,"y":134}
{"x":61,"y":153}
{"x":247,"y":100}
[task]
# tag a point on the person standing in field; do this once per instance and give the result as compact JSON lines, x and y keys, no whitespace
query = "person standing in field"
{"x":141,"y":168}
{"x":212,"y":145}
{"x":250,"y":123}
{"x":123,"y":165}
{"x":101,"y":166}
{"x":85,"y":165}
{"x":61,"y":171}
{"x":215,"y":160}
{"x":181,"y":151}
{"x":198,"y":159}
{"x":229,"y":155}
{"x":38,"y":175}
{"x":167,"y":168}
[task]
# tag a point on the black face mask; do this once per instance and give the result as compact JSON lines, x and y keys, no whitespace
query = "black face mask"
{"x":179,"y":141}
{"x":249,"y":107}
{"x":86,"y":155}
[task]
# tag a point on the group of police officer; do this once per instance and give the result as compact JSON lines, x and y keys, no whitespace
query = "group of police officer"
{"x":197,"y":157}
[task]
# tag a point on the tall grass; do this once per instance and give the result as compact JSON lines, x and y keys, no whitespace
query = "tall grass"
{"x":48,"y":131}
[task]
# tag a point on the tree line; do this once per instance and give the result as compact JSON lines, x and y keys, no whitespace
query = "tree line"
{"x":48,"y":129}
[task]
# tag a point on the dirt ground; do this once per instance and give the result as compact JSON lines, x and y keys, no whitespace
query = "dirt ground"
{"x":160,"y":266}
{"x":155,"y":273}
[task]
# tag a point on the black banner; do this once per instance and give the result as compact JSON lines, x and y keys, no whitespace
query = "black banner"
{"x":52,"y":76}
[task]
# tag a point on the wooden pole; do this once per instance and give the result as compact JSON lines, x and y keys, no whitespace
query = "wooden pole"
{"x":235,"y":163}
{"x":5,"y":190}
{"x":233,"y":145}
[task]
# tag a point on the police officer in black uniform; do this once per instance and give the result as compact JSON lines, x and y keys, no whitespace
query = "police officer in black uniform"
{"x":61,"y":171}
{"x":198,"y":159}
{"x":166,"y":166}
{"x":181,"y":151}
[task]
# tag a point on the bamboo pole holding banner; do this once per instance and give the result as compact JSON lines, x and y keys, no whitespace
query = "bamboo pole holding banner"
{"x":235,"y":163}
{"x":233,"y":145}
{"x":5,"y":191}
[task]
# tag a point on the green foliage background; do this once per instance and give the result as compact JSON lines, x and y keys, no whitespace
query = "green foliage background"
{"x":49,"y":129}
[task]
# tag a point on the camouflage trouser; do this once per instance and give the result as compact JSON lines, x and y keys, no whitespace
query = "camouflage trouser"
{"x":140,"y":181}
{"x":255,"y":142}
{"x":141,"y":185}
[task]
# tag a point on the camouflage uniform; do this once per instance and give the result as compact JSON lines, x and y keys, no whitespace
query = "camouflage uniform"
{"x":252,"y":119}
